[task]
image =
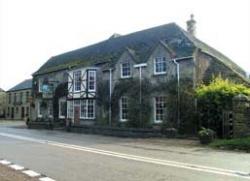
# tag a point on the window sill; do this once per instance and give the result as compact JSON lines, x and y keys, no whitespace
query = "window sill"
{"x":157,"y":121}
{"x":123,"y":120}
{"x":160,"y":73}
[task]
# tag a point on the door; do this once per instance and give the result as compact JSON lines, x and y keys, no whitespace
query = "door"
{"x":77,"y":112}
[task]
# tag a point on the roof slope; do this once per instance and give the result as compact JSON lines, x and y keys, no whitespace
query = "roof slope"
{"x":1,"y":90}
{"x":142,"y":43}
{"x":26,"y":84}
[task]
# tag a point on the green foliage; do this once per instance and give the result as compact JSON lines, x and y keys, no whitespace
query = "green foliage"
{"x":216,"y":97}
{"x":233,"y":144}
{"x":206,"y":135}
{"x":138,"y":114}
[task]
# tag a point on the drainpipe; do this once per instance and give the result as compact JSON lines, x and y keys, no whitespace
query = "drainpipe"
{"x":178,"y":85}
{"x":110,"y":96}
{"x":178,"y":91}
{"x":140,"y":66}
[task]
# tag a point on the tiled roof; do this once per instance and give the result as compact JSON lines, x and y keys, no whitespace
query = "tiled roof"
{"x":141,"y":43}
{"x":26,"y":84}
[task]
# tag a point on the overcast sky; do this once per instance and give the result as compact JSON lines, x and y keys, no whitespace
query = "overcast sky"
{"x":31,"y":31}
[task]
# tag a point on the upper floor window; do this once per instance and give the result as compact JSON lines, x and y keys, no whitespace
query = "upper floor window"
{"x":160,"y":109}
{"x":77,"y":80}
{"x":125,"y":70}
{"x":124,"y":108}
{"x":91,"y":80}
{"x":160,"y":65}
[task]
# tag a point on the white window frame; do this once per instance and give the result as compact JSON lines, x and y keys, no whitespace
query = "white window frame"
{"x":74,"y":80}
{"x":155,"y":116}
{"x":59,"y":107}
{"x":39,"y":115}
{"x":94,"y":73}
{"x":87,"y":102}
{"x":121,"y":68}
{"x":121,"y":108}
{"x":162,"y":72}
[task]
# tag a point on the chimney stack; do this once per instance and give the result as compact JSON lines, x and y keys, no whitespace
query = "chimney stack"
{"x":191,"y":25}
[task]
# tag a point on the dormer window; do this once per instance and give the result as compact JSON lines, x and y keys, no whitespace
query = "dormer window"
{"x":160,"y":65}
{"x":125,"y":70}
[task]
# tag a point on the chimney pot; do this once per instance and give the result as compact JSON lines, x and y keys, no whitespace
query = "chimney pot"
{"x":191,"y":25}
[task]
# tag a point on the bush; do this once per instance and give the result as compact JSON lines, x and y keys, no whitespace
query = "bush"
{"x":216,"y":97}
{"x":206,"y":135}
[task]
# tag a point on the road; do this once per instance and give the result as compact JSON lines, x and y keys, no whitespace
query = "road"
{"x":79,"y":157}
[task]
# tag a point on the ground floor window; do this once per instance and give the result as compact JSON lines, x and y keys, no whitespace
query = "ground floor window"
{"x":87,"y":109}
{"x":124,"y":108}
{"x":160,"y":108}
{"x":70,"y":109}
{"x":62,"y":108}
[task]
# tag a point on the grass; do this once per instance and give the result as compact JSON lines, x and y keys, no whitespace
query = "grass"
{"x":232,"y":144}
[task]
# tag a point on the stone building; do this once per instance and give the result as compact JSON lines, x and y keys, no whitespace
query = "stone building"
{"x":96,"y":84}
{"x":2,"y":103}
{"x":18,"y":100}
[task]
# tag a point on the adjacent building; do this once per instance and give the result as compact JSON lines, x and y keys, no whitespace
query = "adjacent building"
{"x":2,"y":103}
{"x":96,"y":84}
{"x":18,"y":100}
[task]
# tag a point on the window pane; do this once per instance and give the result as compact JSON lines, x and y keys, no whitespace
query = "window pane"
{"x":83,"y":108}
{"x":77,"y":81}
{"x":70,"y":109}
{"x":125,"y":70}
{"x":160,"y":106}
{"x":160,"y":65}
{"x":90,"y":108}
{"x":91,"y":80}
{"x":124,"y":108}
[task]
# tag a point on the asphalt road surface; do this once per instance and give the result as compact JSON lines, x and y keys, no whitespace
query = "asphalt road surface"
{"x":78,"y":157}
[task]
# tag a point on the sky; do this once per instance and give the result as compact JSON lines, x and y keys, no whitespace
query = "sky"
{"x":32,"y":31}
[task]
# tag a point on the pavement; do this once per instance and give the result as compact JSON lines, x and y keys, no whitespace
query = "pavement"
{"x":74,"y":157}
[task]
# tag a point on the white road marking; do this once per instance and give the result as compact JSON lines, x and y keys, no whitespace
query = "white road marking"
{"x":201,"y":168}
{"x":16,"y":167}
{"x":4,"y":162}
{"x":31,"y":173}
{"x":46,"y":179}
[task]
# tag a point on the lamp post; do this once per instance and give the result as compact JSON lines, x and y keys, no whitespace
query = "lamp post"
{"x":140,"y":66}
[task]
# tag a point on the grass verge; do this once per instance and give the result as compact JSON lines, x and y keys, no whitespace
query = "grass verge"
{"x":232,"y":144}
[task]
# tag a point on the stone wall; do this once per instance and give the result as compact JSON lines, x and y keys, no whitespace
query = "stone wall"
{"x":241,"y":114}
